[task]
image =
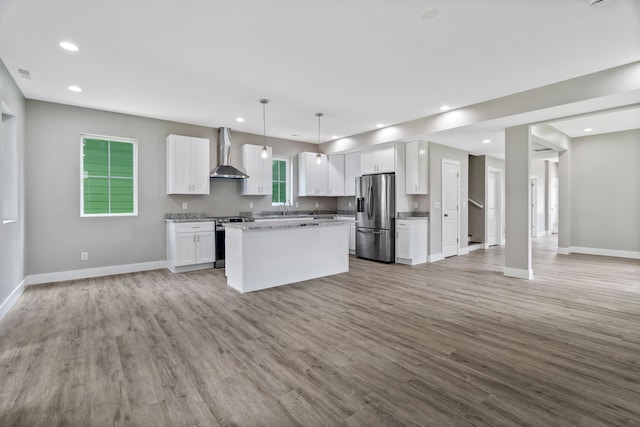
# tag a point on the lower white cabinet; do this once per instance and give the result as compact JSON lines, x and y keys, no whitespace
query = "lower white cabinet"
{"x":411,"y":241}
{"x":190,"y":245}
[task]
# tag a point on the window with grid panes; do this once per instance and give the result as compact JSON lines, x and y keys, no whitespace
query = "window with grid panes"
{"x":109,"y":176}
{"x":280,"y":182}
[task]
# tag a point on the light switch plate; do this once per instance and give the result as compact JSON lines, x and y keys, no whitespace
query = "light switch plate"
{"x":436,"y":205}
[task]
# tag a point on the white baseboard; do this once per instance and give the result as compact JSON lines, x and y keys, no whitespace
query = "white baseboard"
{"x":518,"y":273}
{"x":11,"y":299}
{"x":60,"y":276}
{"x":435,"y":257}
{"x":563,"y":251}
{"x":463,"y":251}
{"x":604,"y":252}
{"x":476,"y":246}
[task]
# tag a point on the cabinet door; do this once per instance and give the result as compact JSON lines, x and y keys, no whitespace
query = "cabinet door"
{"x":403,"y":243}
{"x":200,"y":162}
{"x":368,"y":162}
{"x":351,"y":172}
{"x":416,"y":167}
{"x":313,"y":177}
{"x":386,"y":158}
{"x":185,"y":249}
{"x":258,"y":169}
{"x":205,"y":247}
{"x":336,"y":175}
{"x":178,"y":158}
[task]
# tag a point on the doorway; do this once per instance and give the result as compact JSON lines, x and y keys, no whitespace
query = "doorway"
{"x":450,"y":203}
{"x":494,"y":206}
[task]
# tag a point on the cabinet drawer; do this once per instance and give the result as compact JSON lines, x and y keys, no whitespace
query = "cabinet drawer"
{"x":402,"y":224}
{"x":194,"y":227}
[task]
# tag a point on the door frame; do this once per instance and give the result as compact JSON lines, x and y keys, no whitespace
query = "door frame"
{"x":442,"y":194}
{"x":499,"y":208}
{"x":534,"y":207}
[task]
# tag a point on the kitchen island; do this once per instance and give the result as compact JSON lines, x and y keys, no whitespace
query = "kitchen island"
{"x":261,"y":255}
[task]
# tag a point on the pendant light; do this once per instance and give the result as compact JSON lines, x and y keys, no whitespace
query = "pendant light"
{"x":265,"y":151}
{"x":319,"y":156}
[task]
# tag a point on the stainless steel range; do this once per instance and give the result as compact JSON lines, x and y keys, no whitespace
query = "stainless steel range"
{"x":220,"y":222}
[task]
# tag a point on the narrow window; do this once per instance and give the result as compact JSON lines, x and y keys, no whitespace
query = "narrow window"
{"x":109,"y":176}
{"x":281,"y":181}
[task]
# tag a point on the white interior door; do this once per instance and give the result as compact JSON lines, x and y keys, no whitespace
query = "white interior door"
{"x":553,"y":206}
{"x":493,"y":207}
{"x":534,"y":207}
{"x":450,"y":202}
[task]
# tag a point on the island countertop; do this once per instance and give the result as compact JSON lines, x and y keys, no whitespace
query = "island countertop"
{"x":288,"y":223}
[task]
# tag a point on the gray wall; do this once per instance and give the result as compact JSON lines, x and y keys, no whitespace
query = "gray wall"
{"x":605,"y":191}
{"x":438,"y":152}
{"x":12,"y":240}
{"x":57,"y":234}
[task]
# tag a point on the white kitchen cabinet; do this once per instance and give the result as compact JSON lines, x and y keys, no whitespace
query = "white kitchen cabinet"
{"x":411,"y":241}
{"x":336,"y":175}
{"x":417,"y":164}
{"x":190,"y":245}
{"x":187,"y":165}
{"x":259,"y":170}
{"x":378,"y":159}
{"x":313,"y":176}
{"x":351,"y":172}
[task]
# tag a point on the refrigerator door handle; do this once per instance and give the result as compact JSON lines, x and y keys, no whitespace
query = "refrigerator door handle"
{"x":370,"y":202}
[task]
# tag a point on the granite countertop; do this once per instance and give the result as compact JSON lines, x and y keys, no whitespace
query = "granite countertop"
{"x":188,"y":217}
{"x":303,"y":222}
{"x":412,"y":215}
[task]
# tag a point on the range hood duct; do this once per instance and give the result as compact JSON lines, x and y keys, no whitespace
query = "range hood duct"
{"x":224,"y":168}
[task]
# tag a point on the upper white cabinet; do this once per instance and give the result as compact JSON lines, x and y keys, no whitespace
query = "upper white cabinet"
{"x":313,"y":175}
{"x":187,"y":165}
{"x":378,"y":159}
{"x":258,"y":169}
{"x":336,"y":175}
{"x":351,"y":172}
{"x":417,"y":166}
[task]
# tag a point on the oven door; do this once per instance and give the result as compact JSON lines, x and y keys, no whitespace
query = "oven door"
{"x":219,"y":263}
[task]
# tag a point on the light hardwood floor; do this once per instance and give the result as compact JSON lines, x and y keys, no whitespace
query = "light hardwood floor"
{"x":449,"y":343}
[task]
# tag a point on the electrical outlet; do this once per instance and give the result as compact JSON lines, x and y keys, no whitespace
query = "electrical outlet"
{"x":184,"y":205}
{"x":349,"y":204}
{"x":84,"y":256}
{"x":297,"y":205}
{"x":415,"y":205}
{"x":250,"y":205}
{"x":317,"y":205}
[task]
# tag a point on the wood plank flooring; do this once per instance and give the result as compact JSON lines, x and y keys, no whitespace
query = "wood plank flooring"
{"x":450,"y":343}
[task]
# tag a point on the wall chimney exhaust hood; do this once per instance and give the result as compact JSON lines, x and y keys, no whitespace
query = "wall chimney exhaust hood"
{"x":224,"y":168}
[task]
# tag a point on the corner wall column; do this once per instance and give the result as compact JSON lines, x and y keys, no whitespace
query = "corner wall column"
{"x":518,"y":203}
{"x":564,"y":202}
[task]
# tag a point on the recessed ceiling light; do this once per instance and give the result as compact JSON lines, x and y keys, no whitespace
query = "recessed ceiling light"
{"x":334,"y":137}
{"x":69,"y":46}
{"x":445,"y":108}
{"x":74,"y":88}
{"x":588,"y":130}
{"x":239,"y":119}
{"x":486,"y":141}
{"x":379,"y":125}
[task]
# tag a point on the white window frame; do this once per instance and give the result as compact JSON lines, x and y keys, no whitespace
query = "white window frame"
{"x":289,"y":181}
{"x":135,"y":174}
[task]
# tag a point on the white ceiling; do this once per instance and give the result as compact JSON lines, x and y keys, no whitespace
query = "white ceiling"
{"x":613,"y":121}
{"x":360,"y":62}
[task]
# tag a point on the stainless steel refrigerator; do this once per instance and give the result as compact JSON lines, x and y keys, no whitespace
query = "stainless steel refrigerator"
{"x":375,"y":217}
